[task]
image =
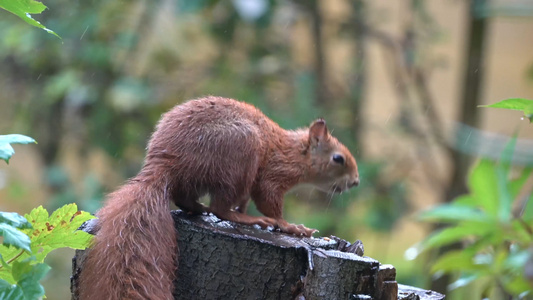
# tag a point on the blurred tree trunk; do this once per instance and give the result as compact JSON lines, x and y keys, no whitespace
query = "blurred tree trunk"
{"x":358,"y":84}
{"x":48,"y":124}
{"x":473,"y":76}
{"x":321,"y":90}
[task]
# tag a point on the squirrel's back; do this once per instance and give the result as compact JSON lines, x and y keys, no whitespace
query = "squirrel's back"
{"x":199,"y":142}
{"x":210,"y":123}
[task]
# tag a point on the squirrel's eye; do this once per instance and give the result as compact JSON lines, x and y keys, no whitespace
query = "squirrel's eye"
{"x":338,"y":158}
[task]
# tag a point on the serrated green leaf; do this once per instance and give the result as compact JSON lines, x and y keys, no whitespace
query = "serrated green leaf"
{"x":9,"y":253}
{"x":16,"y":138}
{"x":14,"y":237}
{"x":6,"y":151}
{"x":452,"y":213}
{"x":58,"y":230}
{"x":23,"y":9}
{"x":14,"y":220}
{"x":483,"y":185}
{"x":28,"y":276}
{"x":22,"y":275}
{"x":38,"y":215}
{"x":6,"y":272}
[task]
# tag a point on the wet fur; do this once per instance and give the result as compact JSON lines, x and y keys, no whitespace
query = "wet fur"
{"x":216,"y":146}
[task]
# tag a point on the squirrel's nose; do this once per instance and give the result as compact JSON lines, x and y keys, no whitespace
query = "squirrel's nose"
{"x":355,"y":182}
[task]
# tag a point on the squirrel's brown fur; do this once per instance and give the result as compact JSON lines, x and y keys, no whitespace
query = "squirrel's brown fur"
{"x":217,"y":146}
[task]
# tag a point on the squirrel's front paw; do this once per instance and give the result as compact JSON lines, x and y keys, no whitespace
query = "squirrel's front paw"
{"x":265,"y":222}
{"x":299,"y":230}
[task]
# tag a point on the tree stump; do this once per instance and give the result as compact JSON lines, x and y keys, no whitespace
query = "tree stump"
{"x":223,"y":260}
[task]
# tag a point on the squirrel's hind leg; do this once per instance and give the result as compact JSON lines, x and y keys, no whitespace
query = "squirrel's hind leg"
{"x":223,"y":209}
{"x":189,"y":203}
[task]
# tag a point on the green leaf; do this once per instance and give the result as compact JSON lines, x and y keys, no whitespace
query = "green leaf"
{"x":452,"y":213}
{"x":25,"y":279}
{"x":13,"y":237}
{"x":524,"y":105}
{"x":14,"y":220}
{"x":507,"y":154}
{"x":9,"y":222}
{"x":457,"y":260}
{"x":465,"y":200}
{"x":483,"y":184}
{"x":7,"y":276}
{"x":520,"y":231}
{"x":505,"y":200}
{"x":28,"y":276}
{"x":517,"y":285}
{"x":58,"y":230}
{"x":20,"y":278}
{"x":6,"y":151}
{"x":9,"y":253}
{"x":505,"y":194}
{"x":511,"y":103}
{"x":6,"y":272}
{"x":456,"y":233}
{"x":516,"y":185}
{"x":23,"y":9}
{"x":527,"y":212}
{"x":517,"y":259}
{"x":10,"y":291}
{"x":463,"y":280}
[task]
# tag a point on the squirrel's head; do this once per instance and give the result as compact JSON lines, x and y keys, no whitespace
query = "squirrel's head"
{"x":333,"y":168}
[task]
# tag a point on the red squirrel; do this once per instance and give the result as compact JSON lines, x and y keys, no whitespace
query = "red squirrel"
{"x":217,"y":146}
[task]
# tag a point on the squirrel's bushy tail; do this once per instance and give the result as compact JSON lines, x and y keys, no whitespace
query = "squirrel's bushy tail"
{"x":133,"y":255}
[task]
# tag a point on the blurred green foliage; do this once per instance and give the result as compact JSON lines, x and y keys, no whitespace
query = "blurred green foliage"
{"x":496,"y":239}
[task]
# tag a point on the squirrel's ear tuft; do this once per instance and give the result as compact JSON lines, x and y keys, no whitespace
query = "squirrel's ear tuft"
{"x":318,"y":131}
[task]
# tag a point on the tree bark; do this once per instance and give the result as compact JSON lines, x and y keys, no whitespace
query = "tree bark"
{"x":222,"y":260}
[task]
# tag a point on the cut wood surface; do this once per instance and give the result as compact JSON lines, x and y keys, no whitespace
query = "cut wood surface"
{"x":222,"y":260}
